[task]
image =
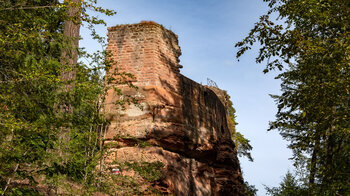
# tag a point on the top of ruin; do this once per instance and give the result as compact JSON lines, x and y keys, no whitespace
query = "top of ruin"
{"x":142,"y":25}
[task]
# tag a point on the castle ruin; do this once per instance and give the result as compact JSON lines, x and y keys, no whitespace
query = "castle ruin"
{"x":183,"y":121}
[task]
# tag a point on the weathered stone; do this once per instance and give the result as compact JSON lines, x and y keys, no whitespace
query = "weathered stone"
{"x":185,"y":120}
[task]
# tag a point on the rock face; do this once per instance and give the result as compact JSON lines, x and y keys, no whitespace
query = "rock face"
{"x":183,"y":122}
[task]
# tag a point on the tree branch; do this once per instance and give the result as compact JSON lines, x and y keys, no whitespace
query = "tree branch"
{"x":28,"y":8}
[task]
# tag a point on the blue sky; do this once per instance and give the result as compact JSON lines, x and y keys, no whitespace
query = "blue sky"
{"x":208,"y":30}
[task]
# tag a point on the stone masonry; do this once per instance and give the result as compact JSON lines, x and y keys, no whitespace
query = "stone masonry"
{"x":183,"y":121}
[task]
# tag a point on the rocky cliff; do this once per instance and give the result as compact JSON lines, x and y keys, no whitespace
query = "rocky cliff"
{"x":182,"y":122}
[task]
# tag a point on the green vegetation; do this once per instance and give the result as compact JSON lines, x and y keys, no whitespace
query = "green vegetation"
{"x":137,"y":142}
{"x":150,"y":171}
{"x":250,"y":189}
{"x":51,"y":128}
{"x":290,"y":186}
{"x":243,"y":146}
{"x":136,"y":178}
{"x":310,"y":43}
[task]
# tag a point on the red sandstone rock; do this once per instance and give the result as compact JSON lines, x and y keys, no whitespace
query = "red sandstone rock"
{"x":183,"y":120}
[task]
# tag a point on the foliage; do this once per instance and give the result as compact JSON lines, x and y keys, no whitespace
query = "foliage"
{"x":29,"y":74}
{"x":288,"y":187}
{"x":22,"y":191}
{"x":133,"y":140}
{"x":243,"y":146}
{"x":125,"y":185}
{"x":250,"y":189}
{"x":136,"y":178}
{"x":310,"y":42}
{"x":31,"y":123}
{"x":150,"y":171}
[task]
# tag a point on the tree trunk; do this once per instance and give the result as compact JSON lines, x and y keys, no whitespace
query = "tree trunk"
{"x":69,"y":60}
{"x":71,"y":31}
{"x":70,"y":53}
{"x":330,"y":150}
{"x":313,"y":163}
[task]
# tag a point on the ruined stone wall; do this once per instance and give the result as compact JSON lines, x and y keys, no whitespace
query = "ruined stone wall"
{"x":183,"y":121}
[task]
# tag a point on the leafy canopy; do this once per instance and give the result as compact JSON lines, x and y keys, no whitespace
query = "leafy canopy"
{"x":309,"y":42}
{"x":32,"y":41}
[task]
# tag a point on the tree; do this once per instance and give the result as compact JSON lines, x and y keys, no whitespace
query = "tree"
{"x":69,"y":58}
{"x":309,"y":41}
{"x":288,"y":187}
{"x":242,"y":145}
{"x":34,"y":44}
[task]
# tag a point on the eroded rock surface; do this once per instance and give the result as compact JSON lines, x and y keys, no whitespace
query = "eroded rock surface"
{"x":183,"y":123}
